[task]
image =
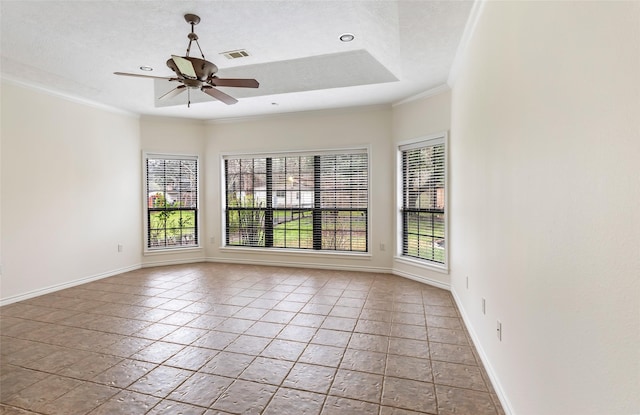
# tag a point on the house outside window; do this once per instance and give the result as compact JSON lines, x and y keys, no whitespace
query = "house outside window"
{"x":317,"y":201}
{"x":423,"y":201}
{"x":171,"y":201}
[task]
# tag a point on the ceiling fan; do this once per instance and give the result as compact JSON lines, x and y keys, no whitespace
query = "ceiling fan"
{"x":196,"y":73}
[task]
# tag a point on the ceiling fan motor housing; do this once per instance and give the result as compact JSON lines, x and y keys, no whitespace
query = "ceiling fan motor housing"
{"x":203,"y":69}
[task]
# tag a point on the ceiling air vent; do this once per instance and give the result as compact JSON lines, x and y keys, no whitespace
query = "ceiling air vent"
{"x":235,"y":54}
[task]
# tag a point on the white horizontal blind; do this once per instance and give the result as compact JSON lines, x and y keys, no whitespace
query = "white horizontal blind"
{"x":245,"y":201}
{"x":423,"y":201}
{"x":301,"y":201}
{"x":172,"y":201}
{"x":344,"y":199}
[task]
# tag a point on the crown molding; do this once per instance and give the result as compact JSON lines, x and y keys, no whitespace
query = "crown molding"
{"x":83,"y":101}
{"x":425,"y":94}
{"x":469,"y":30}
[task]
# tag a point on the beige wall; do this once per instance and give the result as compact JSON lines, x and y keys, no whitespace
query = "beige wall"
{"x":545,"y":219}
{"x":416,"y":119}
{"x":175,"y":136}
{"x":364,"y":127}
{"x":70,"y":180}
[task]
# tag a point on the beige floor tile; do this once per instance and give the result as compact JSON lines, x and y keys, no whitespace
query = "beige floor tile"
{"x":167,"y":407}
{"x":264,"y":329}
{"x":200,"y":389}
{"x":227,"y":364}
{"x":250,"y":345}
{"x":409,"y":394}
{"x":124,"y":373}
{"x":357,"y":385}
{"x":234,"y":399}
{"x":41,"y":393}
{"x":265,"y":370}
{"x":336,"y":405}
{"x":201,"y":338}
{"x":408,"y":367}
{"x":331,"y":338}
{"x":90,"y":366}
{"x":291,"y":401}
{"x":158,"y":352}
{"x":364,"y":361}
{"x":387,"y":410}
{"x":184,"y":335}
{"x":284,"y":349}
{"x":323,"y":355}
{"x":453,"y":353}
{"x":191,"y":358}
{"x":215,"y":340}
{"x":309,"y":377}
{"x":81,"y":400}
{"x":452,"y":323}
{"x":441,"y":335}
{"x":460,"y":401}
{"x":462,"y":376}
{"x":126,"y":402}
{"x":370,"y":342}
{"x":160,"y":381}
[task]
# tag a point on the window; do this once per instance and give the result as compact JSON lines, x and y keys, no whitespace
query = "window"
{"x":423,"y":200}
{"x":306,"y":201}
{"x":171,"y":201}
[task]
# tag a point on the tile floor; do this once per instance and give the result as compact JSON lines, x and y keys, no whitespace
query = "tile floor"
{"x":235,"y":339}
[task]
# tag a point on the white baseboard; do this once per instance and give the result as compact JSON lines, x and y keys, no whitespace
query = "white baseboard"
{"x":173,"y":262}
{"x":506,"y":404}
{"x":301,"y":265}
{"x":420,"y":278}
{"x":69,"y":284}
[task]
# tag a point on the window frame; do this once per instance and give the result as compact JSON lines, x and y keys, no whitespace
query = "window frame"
{"x":294,"y":153}
{"x":145,"y":206}
{"x":421,"y":142}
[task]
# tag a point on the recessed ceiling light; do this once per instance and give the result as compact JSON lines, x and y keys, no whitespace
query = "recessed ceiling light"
{"x":146,"y":68}
{"x":347,"y":37}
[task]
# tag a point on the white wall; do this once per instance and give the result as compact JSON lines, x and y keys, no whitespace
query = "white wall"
{"x":412,"y":120}
{"x":307,"y":131}
{"x":545,"y":219}
{"x":183,"y":137}
{"x":70,"y":180}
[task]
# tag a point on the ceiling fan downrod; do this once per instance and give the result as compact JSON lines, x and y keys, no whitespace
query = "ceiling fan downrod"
{"x":193,"y":20}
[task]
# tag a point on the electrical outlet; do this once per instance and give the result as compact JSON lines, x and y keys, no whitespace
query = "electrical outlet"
{"x":467,"y":282}
{"x":484,"y":306}
{"x":212,"y":239}
{"x":120,"y":247}
{"x":499,"y":330}
{"x":382,"y":247}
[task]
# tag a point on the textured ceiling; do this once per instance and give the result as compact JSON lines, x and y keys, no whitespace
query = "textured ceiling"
{"x":402,"y":48}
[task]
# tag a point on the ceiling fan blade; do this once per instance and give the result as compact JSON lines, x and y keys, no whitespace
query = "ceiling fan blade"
{"x":219,"y":95}
{"x":236,"y":82}
{"x":174,"y":92}
{"x":145,"y":76}
{"x":185,"y":66}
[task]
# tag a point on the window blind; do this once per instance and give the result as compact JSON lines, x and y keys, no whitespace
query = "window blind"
{"x":423,"y":200}
{"x":172,"y":201}
{"x":301,"y":201}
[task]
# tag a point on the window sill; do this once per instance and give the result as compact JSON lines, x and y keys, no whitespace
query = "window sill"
{"x":296,"y":252}
{"x":164,"y":251}
{"x":443,"y":269}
